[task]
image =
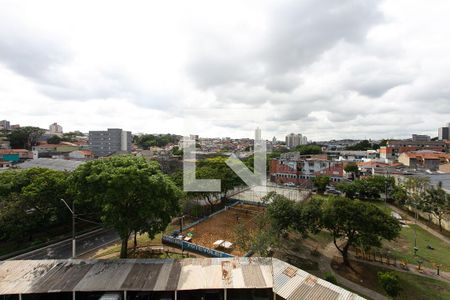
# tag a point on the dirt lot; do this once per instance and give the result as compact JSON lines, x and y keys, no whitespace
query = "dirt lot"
{"x":222,"y":227}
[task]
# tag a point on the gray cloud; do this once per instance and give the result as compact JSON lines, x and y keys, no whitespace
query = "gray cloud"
{"x":302,"y":30}
{"x":30,"y":54}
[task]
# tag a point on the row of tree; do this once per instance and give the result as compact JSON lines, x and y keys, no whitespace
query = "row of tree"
{"x":28,"y":136}
{"x":350,"y":222}
{"x":415,"y":192}
{"x":145,"y":141}
{"x":127,"y":193}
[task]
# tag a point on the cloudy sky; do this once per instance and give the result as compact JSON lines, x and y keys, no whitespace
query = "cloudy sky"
{"x":325,"y":68}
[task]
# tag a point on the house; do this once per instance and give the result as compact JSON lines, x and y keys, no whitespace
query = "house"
{"x":426,"y":159}
{"x":14,"y":155}
{"x":301,"y":170}
{"x":81,"y":155}
{"x":5,"y":164}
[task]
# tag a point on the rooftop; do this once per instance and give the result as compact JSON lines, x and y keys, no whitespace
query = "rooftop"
{"x":51,"y":163}
{"x":46,"y":276}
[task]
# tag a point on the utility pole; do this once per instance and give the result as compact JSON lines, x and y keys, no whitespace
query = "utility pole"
{"x":72,"y":210}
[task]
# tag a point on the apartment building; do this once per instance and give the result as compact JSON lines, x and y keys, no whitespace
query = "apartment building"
{"x":113,"y":140}
{"x":444,"y":133}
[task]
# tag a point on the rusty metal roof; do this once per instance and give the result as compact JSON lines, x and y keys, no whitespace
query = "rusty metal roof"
{"x":292,"y":283}
{"x":45,"y":276}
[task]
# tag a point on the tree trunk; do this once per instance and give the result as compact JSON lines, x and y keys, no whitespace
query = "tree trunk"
{"x":124,"y":248}
{"x":135,"y":241}
{"x":440,"y":224}
{"x":345,"y":255}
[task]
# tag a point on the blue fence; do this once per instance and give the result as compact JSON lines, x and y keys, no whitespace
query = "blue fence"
{"x":193,"y":247}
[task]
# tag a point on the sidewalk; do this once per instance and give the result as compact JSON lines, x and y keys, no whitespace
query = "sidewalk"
{"x":325,"y":266}
{"x":410,"y":268}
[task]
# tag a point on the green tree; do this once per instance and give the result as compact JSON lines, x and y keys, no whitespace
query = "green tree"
{"x":390,"y":283}
{"x":416,"y":188}
{"x":321,"y":182}
{"x":399,"y":195}
{"x":285,"y":214}
{"x":362,"y":146}
{"x":216,"y":168}
{"x":132,"y":195}
{"x":282,"y":212}
{"x":177,"y":151}
{"x":357,"y":223}
{"x":30,"y":200}
{"x":308,"y":149}
{"x":437,"y":203}
{"x":25,"y":137}
{"x":71,"y":136}
{"x":54,"y":140}
{"x":351,"y":168}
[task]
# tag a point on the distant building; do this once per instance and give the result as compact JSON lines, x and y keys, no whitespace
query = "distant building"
{"x":258,"y":134}
{"x":55,"y":129}
{"x":293,"y":168}
{"x":386,"y":152}
{"x":81,"y":155}
{"x":430,"y":160}
{"x":5,"y":125}
{"x":421,"y":138}
{"x":274,"y":140}
{"x":395,"y":148}
{"x":113,"y":140}
{"x":293,"y":140}
{"x":304,"y":140}
{"x":444,"y":133}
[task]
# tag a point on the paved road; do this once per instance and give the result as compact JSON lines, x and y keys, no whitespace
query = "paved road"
{"x":62,"y":250}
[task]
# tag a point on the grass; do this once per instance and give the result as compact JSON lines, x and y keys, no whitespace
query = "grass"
{"x":413,"y":286}
{"x":403,"y":248}
{"x":323,"y":238}
{"x":143,"y":241}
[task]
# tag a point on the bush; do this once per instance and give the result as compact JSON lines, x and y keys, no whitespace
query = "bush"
{"x":330,"y":278}
{"x":389,"y":282}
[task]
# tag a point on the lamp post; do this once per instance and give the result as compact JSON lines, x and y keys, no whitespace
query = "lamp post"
{"x":72,"y":210}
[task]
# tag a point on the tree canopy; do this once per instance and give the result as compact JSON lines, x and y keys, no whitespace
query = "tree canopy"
{"x":31,"y":199}
{"x":308,"y":149}
{"x":321,"y":182}
{"x":54,"y":140}
{"x":131,"y":194}
{"x":25,"y":137}
{"x":363,"y":146}
{"x":145,"y":141}
{"x":357,"y":223}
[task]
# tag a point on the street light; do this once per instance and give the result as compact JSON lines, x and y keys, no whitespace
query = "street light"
{"x":72,"y":210}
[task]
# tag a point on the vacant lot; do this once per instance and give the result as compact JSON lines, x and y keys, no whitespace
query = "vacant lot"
{"x":222,"y":227}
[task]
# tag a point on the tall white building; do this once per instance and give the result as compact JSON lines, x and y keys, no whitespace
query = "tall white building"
{"x":258,"y":134}
{"x":293,"y":140}
{"x":5,"y":125}
{"x":55,"y":129}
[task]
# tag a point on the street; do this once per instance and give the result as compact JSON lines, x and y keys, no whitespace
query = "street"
{"x":63,"y":250}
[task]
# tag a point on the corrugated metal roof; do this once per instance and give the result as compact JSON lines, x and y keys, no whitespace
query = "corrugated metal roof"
{"x":51,"y":163}
{"x":303,"y":285}
{"x":42,"y":276}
